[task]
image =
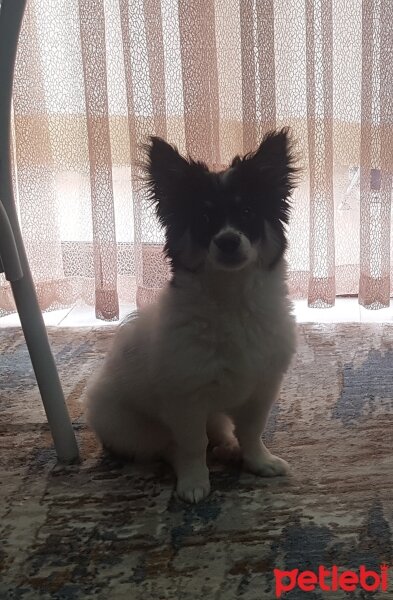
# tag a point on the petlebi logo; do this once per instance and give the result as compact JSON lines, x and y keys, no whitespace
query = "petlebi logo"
{"x":332,"y":579}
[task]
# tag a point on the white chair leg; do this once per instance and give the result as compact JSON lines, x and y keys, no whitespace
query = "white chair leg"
{"x":45,"y":368}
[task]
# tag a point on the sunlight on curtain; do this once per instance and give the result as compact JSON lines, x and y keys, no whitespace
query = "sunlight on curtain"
{"x":94,"y":78}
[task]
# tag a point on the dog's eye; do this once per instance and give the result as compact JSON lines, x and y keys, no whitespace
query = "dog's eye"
{"x":246,"y":212}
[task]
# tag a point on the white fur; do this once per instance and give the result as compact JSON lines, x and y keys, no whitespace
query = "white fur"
{"x":207,"y":359}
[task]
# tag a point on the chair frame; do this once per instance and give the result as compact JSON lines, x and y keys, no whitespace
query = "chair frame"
{"x":13,"y":260}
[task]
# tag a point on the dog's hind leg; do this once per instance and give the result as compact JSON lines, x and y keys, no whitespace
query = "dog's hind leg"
{"x":131,"y":435}
{"x":220,"y":431}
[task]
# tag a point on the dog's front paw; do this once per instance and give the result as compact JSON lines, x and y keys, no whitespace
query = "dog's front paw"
{"x":266,"y":465}
{"x":193,"y":490}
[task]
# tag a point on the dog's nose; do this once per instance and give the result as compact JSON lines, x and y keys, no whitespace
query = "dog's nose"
{"x":228,"y":242}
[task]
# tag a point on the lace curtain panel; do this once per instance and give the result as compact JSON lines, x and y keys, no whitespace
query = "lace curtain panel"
{"x":94,"y":78}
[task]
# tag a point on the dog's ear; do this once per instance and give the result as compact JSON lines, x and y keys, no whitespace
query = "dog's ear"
{"x":271,"y":167}
{"x":165,"y":168}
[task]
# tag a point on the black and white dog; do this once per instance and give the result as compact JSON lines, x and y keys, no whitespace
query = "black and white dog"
{"x":205,"y":362}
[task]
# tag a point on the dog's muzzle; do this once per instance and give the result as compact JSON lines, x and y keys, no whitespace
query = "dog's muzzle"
{"x":228,"y":243}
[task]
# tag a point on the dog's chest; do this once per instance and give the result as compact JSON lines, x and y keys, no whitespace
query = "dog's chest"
{"x":223,"y":350}
{"x":239,"y":350}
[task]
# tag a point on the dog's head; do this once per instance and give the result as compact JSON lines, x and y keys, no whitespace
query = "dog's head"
{"x":229,"y":219}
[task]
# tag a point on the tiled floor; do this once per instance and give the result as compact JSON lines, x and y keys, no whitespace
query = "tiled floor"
{"x":78,"y":316}
{"x":346,"y":310}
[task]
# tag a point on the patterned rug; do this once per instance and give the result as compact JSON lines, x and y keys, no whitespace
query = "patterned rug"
{"x":111,"y":531}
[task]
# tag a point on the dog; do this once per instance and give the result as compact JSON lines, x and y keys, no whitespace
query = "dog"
{"x":205,"y":362}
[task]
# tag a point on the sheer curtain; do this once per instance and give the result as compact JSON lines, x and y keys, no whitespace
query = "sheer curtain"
{"x":94,"y":78}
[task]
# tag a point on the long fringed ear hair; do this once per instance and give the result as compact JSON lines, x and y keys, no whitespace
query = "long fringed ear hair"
{"x":273,"y":169}
{"x":172,"y":182}
{"x":169,"y":176}
{"x":165,"y":170}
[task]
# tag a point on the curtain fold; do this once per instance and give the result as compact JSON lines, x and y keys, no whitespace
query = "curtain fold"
{"x":93,"y":45}
{"x":376,"y":153}
{"x":319,"y":77}
{"x":95,"y":78}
